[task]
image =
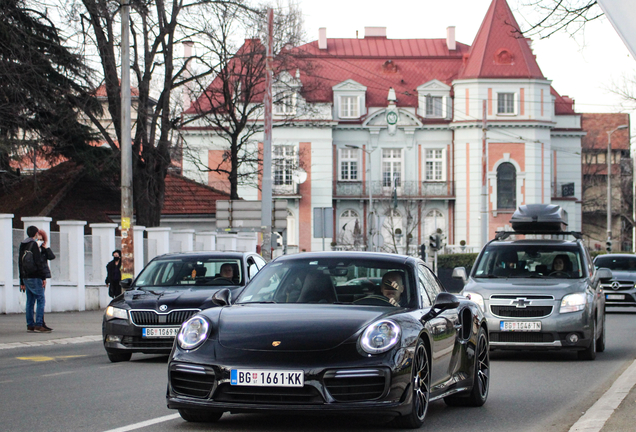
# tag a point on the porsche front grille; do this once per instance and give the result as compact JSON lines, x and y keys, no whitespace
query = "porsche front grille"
{"x":306,"y":395}
{"x":515,"y":312}
{"x":356,"y":385}
{"x":192,"y":380}
{"x":150,"y":317}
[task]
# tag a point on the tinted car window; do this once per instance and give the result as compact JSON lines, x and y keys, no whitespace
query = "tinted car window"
{"x":187,"y":272}
{"x":423,"y":281}
{"x":616,"y":263}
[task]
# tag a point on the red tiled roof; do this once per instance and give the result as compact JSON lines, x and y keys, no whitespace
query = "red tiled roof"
{"x":563,"y":105}
{"x":101,"y":91}
{"x":598,"y":124}
{"x":499,"y":50}
{"x":185,"y":196}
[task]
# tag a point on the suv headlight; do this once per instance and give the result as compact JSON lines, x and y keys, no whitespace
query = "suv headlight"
{"x":193,"y":333}
{"x":573,"y":303}
{"x":113,"y":312}
{"x":380,"y":337}
{"x":477,"y":298}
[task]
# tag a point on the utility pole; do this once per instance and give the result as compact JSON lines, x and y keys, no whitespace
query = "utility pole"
{"x":266,"y":205}
{"x":125,"y":148}
{"x":484,"y":177}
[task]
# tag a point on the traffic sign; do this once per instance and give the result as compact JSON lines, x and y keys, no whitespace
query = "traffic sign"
{"x":245,"y":215}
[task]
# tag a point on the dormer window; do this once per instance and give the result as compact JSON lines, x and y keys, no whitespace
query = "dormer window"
{"x":349,"y":107}
{"x":349,"y":100}
{"x":434,"y":106}
{"x":285,"y":104}
{"x":434,"y":100}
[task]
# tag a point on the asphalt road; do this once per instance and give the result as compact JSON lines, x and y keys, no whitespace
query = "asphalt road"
{"x":75,"y":388}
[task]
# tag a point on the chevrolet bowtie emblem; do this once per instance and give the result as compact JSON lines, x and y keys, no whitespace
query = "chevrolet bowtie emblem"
{"x":521,"y":302}
{"x":275,"y":343}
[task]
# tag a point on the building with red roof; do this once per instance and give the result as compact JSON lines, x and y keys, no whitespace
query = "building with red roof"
{"x":391,"y":135}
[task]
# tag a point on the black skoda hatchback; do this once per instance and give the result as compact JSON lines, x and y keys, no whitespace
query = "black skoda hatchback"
{"x":147,"y":316}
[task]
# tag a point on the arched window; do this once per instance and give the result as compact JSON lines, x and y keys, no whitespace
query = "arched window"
{"x":433,"y":221}
{"x":506,"y":186}
{"x":350,"y":229}
{"x":292,"y":239}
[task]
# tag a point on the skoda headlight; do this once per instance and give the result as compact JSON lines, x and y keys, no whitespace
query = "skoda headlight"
{"x":477,"y":298}
{"x":573,"y":303}
{"x":113,"y":312}
{"x":193,"y":333}
{"x":380,"y":337}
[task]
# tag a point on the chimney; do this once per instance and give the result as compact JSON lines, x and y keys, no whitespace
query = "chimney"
{"x":375,"y":32}
{"x":322,"y":38}
{"x":187,"y":90}
{"x":450,"y":38}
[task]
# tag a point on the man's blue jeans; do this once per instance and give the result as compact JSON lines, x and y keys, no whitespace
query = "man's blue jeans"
{"x":34,"y":297}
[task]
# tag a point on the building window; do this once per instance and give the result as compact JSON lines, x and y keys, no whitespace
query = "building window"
{"x":349,"y":107}
{"x":391,"y":167}
{"x":435,"y":165}
{"x":349,"y":159}
{"x":505,"y":103}
{"x":284,"y":164}
{"x":506,"y":186}
{"x":285,"y":103}
{"x":434,"y":106}
{"x":433,"y":221}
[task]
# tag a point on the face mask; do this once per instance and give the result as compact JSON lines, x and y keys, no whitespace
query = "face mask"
{"x":40,"y":242}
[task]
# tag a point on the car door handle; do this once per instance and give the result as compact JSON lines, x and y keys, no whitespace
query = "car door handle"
{"x":457,"y":326}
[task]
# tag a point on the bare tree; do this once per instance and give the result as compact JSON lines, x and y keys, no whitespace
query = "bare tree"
{"x":555,"y":16}
{"x":401,"y":224}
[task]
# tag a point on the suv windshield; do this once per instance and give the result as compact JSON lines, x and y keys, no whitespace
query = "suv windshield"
{"x":190,"y":272}
{"x":616,"y":263}
{"x":528,"y":261}
{"x":329,"y":281}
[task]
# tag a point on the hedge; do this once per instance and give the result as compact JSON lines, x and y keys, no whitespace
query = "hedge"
{"x":456,"y":260}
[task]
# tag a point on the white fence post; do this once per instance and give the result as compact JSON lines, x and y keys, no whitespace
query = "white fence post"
{"x":75,"y":232}
{"x":6,"y":264}
{"x":208,"y":239}
{"x":161,"y":237}
{"x":43,"y":223}
{"x":186,"y":237}
{"x":247,"y":242}
{"x":138,"y":245}
{"x":226,"y":242}
{"x":105,"y":232}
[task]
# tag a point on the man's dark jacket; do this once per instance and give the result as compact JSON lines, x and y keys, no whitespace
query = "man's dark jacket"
{"x":29,"y":243}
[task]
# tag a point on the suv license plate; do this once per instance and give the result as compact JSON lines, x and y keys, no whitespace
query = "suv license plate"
{"x":267,"y":378}
{"x":615,"y":296}
{"x":521,"y":326}
{"x":165,"y":332}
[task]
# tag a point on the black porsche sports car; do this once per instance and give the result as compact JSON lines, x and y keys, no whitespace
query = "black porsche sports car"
{"x":301,"y":339}
{"x":146,"y":317}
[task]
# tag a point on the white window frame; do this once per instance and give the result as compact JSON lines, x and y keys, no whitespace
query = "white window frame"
{"x":286,"y":103}
{"x":441,"y":161}
{"x":343,"y":113}
{"x":515,"y":104}
{"x":431,"y":99}
{"x":289,"y":162}
{"x":393,"y":160}
{"x":349,"y":156}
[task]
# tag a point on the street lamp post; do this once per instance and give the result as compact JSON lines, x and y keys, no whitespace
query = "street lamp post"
{"x":609,"y":184}
{"x":368,"y":152}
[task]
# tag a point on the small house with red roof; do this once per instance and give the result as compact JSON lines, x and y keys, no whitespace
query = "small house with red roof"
{"x":406,"y":134}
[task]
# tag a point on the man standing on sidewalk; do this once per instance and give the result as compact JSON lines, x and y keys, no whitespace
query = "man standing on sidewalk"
{"x":31,"y":275}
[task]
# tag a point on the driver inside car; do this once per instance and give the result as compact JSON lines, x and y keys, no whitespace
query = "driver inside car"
{"x":227,"y":272}
{"x":392,"y":287}
{"x":561,"y":264}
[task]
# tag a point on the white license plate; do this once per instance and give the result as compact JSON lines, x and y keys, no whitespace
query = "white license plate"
{"x":164,"y":332}
{"x":615,"y":296}
{"x":267,"y":378}
{"x":522,"y":326}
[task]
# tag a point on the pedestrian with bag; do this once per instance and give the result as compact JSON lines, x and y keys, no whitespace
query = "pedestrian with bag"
{"x":30,"y":266}
{"x":47,"y":254}
{"x":113,"y":277}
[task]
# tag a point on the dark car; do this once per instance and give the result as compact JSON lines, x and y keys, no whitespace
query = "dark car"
{"x":146,"y":317}
{"x":301,"y":339}
{"x":621,"y":289}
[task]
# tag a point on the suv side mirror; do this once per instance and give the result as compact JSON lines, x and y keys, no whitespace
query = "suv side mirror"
{"x":604,"y":274}
{"x":460,"y":273}
{"x":443,"y":301}
{"x":126,"y":283}
{"x":222,"y":297}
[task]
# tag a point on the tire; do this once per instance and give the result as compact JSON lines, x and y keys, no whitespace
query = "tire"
{"x":119,"y":357}
{"x":481,"y":377}
{"x":200,"y":416}
{"x":589,"y":353}
{"x":420,"y":388}
{"x":600,"y":342}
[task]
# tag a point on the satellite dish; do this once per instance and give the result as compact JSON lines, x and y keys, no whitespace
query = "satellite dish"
{"x":299,"y":176}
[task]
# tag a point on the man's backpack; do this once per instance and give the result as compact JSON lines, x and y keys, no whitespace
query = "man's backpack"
{"x":28,"y":262}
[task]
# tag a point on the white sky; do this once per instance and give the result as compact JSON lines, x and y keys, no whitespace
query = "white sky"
{"x":584,"y":67}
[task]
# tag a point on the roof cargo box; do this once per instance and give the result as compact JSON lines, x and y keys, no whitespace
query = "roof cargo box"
{"x":539,"y":219}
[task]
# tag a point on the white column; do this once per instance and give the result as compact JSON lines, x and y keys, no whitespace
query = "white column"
{"x":138,"y":243}
{"x":208,"y":238}
{"x":186,"y":237}
{"x":9,"y":297}
{"x":247,"y":242}
{"x":104,"y":237}
{"x":226,"y":242}
{"x":43,"y":223}
{"x":161,"y":237}
{"x":75,"y":232}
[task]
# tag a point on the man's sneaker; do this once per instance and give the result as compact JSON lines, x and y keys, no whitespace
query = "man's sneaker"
{"x":44,"y":326}
{"x":30,"y":329}
{"x":42,"y":329}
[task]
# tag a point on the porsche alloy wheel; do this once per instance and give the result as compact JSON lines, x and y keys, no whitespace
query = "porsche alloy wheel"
{"x":420,"y":383}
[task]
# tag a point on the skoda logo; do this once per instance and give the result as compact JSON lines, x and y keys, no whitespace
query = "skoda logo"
{"x":163,"y":308}
{"x":521,"y":302}
{"x":615,"y":285}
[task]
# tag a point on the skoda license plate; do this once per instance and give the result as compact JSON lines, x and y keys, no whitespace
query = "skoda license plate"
{"x":522,"y":326}
{"x":165,"y":332}
{"x":267,"y":378}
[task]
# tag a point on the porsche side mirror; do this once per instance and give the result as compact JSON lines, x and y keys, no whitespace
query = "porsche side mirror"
{"x":222,"y":297}
{"x":604,"y":274}
{"x":126,"y":283}
{"x":460,"y":273}
{"x":443,"y":301}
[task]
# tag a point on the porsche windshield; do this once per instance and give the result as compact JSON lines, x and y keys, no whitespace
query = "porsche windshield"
{"x":331,"y":281}
{"x":189,"y":272}
{"x":530,"y":261}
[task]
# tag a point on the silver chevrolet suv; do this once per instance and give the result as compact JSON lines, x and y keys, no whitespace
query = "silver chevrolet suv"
{"x":541,"y":292}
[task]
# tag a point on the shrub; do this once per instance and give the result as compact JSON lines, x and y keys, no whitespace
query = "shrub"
{"x":451,"y":261}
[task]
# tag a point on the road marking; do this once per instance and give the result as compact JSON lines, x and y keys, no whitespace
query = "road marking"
{"x":46,"y":358}
{"x":145,"y":423}
{"x":58,"y":373}
{"x":594,"y":419}
{"x":63,"y":341}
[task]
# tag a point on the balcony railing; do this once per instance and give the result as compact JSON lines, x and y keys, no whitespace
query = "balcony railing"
{"x":410,"y":189}
{"x":291,"y":189}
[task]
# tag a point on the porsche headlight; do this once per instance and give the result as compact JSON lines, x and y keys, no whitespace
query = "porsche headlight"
{"x":193,"y":333}
{"x":573,"y":303}
{"x":477,"y":298}
{"x":113,"y":312}
{"x":380,"y":337}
